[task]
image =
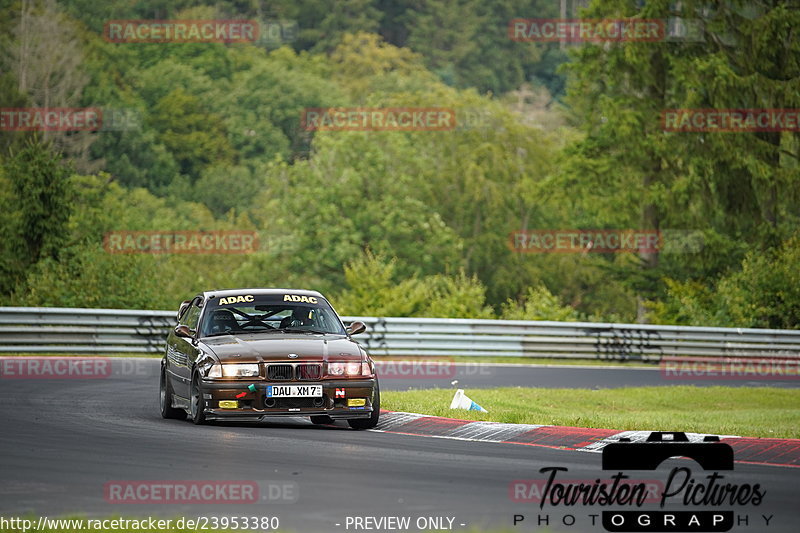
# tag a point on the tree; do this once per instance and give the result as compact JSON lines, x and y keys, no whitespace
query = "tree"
{"x":364,"y":63}
{"x":37,"y":230}
{"x":375,"y":290}
{"x":750,"y":181}
{"x":538,"y":304}
{"x":765,"y":293}
{"x":194,"y":136}
{"x":47,"y":62}
{"x":653,"y":179}
{"x":348,"y":16}
{"x":467,"y":43}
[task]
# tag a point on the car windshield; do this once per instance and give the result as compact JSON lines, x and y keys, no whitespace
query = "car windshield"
{"x":269,"y":313}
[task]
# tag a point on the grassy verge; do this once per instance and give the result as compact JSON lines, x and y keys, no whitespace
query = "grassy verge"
{"x":744,"y":411}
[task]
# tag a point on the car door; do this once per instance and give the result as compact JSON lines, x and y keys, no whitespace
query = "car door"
{"x":184,"y":351}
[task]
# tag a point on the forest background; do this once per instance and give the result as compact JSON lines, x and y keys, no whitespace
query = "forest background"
{"x":208,"y":136}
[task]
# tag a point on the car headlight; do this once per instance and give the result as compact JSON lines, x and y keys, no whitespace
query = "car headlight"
{"x":234,"y":371}
{"x":344,"y":369}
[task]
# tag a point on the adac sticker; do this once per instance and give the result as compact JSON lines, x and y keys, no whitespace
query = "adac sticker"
{"x":299,"y":298}
{"x":236,"y":299}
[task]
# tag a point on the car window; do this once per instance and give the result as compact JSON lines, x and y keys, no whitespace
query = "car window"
{"x":190,"y":317}
{"x":266,"y":314}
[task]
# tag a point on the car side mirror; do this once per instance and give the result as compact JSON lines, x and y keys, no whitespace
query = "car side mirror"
{"x":356,"y":327}
{"x":182,"y":309}
{"x":184,"y":331}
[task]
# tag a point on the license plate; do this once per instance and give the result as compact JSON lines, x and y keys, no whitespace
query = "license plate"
{"x":294,"y":391}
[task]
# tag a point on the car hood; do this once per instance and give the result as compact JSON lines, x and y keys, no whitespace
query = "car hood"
{"x":257,"y":348}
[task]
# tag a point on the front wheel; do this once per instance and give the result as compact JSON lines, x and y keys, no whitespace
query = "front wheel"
{"x":197,"y":403}
{"x":165,"y":399}
{"x":372,"y":421}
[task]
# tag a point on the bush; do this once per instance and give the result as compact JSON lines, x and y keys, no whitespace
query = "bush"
{"x":375,"y":291}
{"x":538,"y":304}
{"x":765,"y":293}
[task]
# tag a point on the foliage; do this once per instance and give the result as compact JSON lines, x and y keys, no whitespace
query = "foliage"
{"x":36,"y":211}
{"x":538,"y":304}
{"x":765,"y":293}
{"x":374,"y":290}
{"x":407,"y":223}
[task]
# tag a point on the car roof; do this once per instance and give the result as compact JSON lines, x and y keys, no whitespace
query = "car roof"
{"x":256,"y":291}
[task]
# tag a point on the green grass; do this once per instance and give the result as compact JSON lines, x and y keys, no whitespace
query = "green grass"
{"x":744,"y":411}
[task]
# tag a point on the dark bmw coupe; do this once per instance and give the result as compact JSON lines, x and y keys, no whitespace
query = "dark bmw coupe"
{"x":248,"y":353}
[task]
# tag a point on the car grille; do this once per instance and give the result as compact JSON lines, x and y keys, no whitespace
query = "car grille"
{"x":279,"y":372}
{"x":309,"y":371}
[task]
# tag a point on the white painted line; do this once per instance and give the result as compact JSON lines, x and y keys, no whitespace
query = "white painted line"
{"x":492,"y":431}
{"x":396,"y":419}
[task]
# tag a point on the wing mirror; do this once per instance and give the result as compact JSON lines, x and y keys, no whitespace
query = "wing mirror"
{"x":184,"y":331}
{"x":182,"y":309}
{"x":356,"y":327}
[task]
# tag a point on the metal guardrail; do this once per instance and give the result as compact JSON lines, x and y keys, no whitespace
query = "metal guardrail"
{"x":67,"y":330}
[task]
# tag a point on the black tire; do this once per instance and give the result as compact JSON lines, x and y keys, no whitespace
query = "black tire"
{"x":372,"y":421}
{"x":165,"y":399}
{"x":321,"y":419}
{"x":197,"y":404}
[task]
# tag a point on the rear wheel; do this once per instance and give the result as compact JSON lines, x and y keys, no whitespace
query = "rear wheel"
{"x":165,"y":399}
{"x":197,"y":403}
{"x":321,"y":419}
{"x":372,"y":421}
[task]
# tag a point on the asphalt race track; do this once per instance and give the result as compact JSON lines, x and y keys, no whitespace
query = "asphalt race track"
{"x":402,"y":376}
{"x":64,"y":442}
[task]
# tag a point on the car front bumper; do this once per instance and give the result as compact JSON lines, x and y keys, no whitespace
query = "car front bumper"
{"x":254,"y":405}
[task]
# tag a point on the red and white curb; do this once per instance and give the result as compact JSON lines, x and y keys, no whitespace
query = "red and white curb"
{"x":641,"y":436}
{"x":763,"y":451}
{"x":449,"y":428}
